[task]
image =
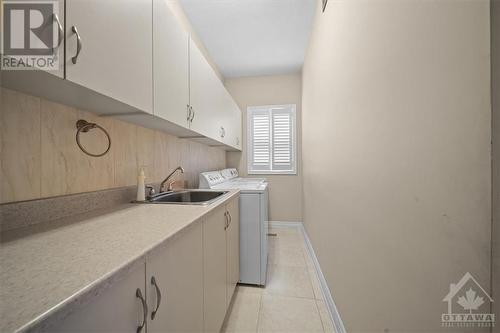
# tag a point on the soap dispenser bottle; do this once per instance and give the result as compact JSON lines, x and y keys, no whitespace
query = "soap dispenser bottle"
{"x":141,"y":190}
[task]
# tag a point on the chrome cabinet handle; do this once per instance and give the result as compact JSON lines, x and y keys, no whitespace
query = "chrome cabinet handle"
{"x":158,"y":297}
{"x":226,"y":221}
{"x":138,"y":294}
{"x":222,"y":132}
{"x":60,"y":35}
{"x":188,"y":107}
{"x":192,"y":114}
{"x":78,"y":44}
{"x":230,"y":218}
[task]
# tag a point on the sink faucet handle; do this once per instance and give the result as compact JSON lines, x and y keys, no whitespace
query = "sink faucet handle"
{"x":151,"y":191}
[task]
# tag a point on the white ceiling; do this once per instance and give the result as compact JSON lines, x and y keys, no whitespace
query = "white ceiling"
{"x":253,"y":37}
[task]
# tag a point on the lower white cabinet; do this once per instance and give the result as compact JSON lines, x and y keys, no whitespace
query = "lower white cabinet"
{"x":185,"y":285}
{"x":221,"y":263}
{"x":174,"y":284}
{"x":214,"y":270}
{"x":232,"y":248}
{"x":118,"y":309}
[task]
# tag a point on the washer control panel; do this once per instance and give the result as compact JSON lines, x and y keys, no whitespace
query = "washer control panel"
{"x":229,"y":173}
{"x":210,"y":179}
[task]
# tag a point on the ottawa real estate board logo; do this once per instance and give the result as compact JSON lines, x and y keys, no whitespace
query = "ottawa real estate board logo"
{"x":468,"y":305}
{"x":31,"y":35}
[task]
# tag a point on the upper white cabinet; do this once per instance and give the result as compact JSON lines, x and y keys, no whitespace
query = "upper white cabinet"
{"x":171,"y":66}
{"x":232,"y":123}
{"x":133,"y":60}
{"x":205,"y":95}
{"x":58,"y":19}
{"x":215,"y":114}
{"x":109,"y":49}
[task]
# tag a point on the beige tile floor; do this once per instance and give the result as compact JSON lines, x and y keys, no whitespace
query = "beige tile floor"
{"x":292,"y":300}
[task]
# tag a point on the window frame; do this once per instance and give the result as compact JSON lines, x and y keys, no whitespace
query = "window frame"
{"x":249,"y":138}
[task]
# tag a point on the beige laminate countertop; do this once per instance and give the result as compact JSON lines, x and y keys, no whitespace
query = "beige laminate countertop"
{"x":44,"y":274}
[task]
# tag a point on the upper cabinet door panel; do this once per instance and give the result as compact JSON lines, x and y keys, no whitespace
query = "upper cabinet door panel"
{"x":237,"y":124}
{"x":115,"y":57}
{"x":171,"y":65}
{"x":205,"y":95}
{"x":59,"y":38}
{"x":58,"y":27}
{"x":232,"y":125}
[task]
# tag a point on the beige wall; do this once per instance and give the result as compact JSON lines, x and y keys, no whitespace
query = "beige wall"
{"x":284,"y":190}
{"x":40,"y":158}
{"x":495,"y":90}
{"x":396,"y":156}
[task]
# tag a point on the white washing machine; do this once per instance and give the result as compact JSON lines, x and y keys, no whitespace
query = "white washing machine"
{"x":231,"y":174}
{"x":254,"y":221}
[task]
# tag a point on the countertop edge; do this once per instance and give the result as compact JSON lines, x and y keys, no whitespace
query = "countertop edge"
{"x":93,"y":290}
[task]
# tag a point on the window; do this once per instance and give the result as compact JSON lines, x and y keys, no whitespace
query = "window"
{"x":271,"y":139}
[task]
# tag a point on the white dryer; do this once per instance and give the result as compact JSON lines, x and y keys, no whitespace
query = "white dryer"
{"x":254,"y":221}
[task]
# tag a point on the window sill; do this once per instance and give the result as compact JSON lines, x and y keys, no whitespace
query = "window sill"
{"x":273,"y":173}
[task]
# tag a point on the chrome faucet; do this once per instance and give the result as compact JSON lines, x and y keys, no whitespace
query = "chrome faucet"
{"x":169,"y":186}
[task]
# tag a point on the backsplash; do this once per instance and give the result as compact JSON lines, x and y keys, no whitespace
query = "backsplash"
{"x":40,"y":157}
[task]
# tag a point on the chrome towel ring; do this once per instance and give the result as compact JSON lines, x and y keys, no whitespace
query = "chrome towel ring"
{"x":85,"y":126}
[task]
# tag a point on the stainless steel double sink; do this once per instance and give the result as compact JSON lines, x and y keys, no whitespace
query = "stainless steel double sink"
{"x":186,"y":197}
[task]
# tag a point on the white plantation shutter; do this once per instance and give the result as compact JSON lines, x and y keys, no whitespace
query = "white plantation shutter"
{"x":271,"y":138}
{"x":261,"y":141}
{"x":282,"y":139}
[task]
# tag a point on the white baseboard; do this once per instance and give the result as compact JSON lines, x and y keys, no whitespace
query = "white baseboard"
{"x":330,"y":304}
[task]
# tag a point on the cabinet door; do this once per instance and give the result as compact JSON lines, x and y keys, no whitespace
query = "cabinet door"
{"x":178,"y":274}
{"x":233,"y":248}
{"x":205,"y":95}
{"x":116,"y":49}
{"x":171,"y":66}
{"x":59,"y":39}
{"x":233,"y":125}
{"x":236,"y":125}
{"x":236,"y":140}
{"x":115,"y":310}
{"x":214,"y":270}
{"x":57,"y":25}
{"x":53,"y":26}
